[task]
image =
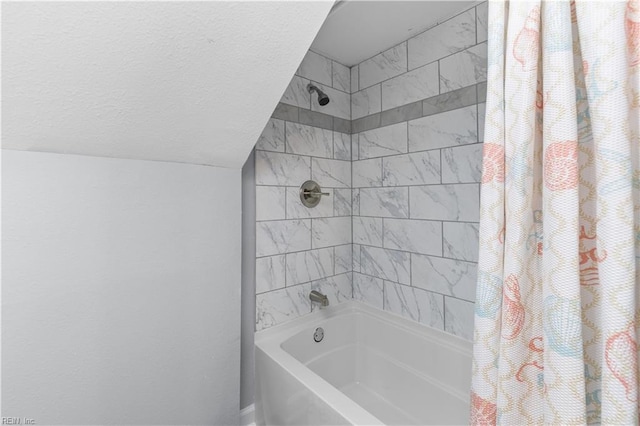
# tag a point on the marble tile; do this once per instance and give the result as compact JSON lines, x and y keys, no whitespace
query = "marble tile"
{"x":413,"y":303}
{"x":366,"y":123}
{"x":285,"y":112}
{"x":389,"y":265}
{"x":464,"y":68}
{"x":451,"y":128}
{"x":481,"y":89}
{"x":367,"y":230}
{"x":332,"y":231}
{"x":411,"y":86}
{"x":445,"y":276}
{"x":411,"y":169}
{"x":270,"y":273}
{"x":341,"y":77}
{"x":462,"y":164}
{"x":282,"y":236}
{"x":309,"y":265}
{"x":418,"y":236}
{"x":355,"y":202}
{"x":449,"y":101}
{"x":331,"y":173}
{"x":343,"y":258}
{"x":308,"y":140}
{"x":339,"y":103}
{"x":404,"y":113}
{"x":297,"y":93}
{"x":315,"y":67}
{"x":297,"y":210}
{"x":272,"y":137}
{"x":368,"y":290}
{"x":270,"y":203}
{"x":278,"y":306}
{"x":355,"y":86}
{"x":460,"y":240}
{"x":341,"y":146}
{"x":367,"y":173}
{"x":482,"y":22}
{"x":458,"y":317}
{"x":384,"y":202}
{"x":354,"y":147}
{"x":366,"y":102}
{"x":281,"y":169}
{"x":385,"y":65}
{"x":383,"y":141}
{"x":459,"y":202}
{"x":454,"y":35}
{"x":315,"y":119}
{"x":356,"y":258}
{"x":342,"y":202}
{"x":481,"y":120}
{"x":341,"y":125}
{"x":338,"y":289}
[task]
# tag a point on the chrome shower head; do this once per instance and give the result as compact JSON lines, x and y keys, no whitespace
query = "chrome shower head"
{"x":323,"y":99}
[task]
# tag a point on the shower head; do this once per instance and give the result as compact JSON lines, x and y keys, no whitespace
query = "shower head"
{"x":323,"y":99}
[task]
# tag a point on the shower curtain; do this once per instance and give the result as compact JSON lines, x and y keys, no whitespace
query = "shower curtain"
{"x":557,"y":308}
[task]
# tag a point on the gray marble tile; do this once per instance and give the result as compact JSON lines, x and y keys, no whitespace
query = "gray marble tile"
{"x":355,"y":86}
{"x":270,"y":273}
{"x":449,"y":101}
{"x":368,"y":290}
{"x":399,"y":114}
{"x":338,"y":289}
{"x":384,"y":202}
{"x":339,"y":104}
{"x":281,"y":169}
{"x":316,"y":67}
{"x":343,"y":258}
{"x":454,"y":35}
{"x":366,"y":102}
{"x":270,"y":203}
{"x":460,"y":240}
{"x":462,"y":164}
{"x":278,"y":306}
{"x":354,"y":147}
{"x":451,"y":128}
{"x":342,"y":202}
{"x":315,"y":119}
{"x":272,"y":137}
{"x":389,"y":265}
{"x":331,"y":231}
{"x":481,"y":120}
{"x":383,"y":141}
{"x":410,"y":87}
{"x":308,"y":140}
{"x":331,"y":173}
{"x":341,"y":77}
{"x":445,"y":276}
{"x":418,"y":236}
{"x":341,"y":146}
{"x":285,"y":112}
{"x":458,"y":318}
{"x":459,"y":202}
{"x":341,"y":125}
{"x":297,"y":210}
{"x":415,"y":304}
{"x":464,"y":68}
{"x":367,"y":230}
{"x":367,"y":173}
{"x":356,"y":258}
{"x":385,"y":65}
{"x":355,"y":202}
{"x":365,"y":123}
{"x":309,"y":265}
{"x":482,"y":22}
{"x":297,"y":93}
{"x":282,"y":236}
{"x":481,"y":88}
{"x":411,"y":169}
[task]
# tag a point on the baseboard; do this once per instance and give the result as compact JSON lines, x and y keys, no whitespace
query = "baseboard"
{"x":247,"y":415}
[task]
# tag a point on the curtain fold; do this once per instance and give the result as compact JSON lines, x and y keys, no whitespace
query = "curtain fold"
{"x":557,"y":315}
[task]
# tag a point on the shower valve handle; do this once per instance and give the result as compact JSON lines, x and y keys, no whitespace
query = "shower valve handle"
{"x":315,"y":193}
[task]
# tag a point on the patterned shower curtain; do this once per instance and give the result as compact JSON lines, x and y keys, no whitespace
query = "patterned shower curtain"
{"x":557,"y":316}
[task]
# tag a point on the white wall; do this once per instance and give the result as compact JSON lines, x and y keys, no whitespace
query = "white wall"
{"x":121,"y":291}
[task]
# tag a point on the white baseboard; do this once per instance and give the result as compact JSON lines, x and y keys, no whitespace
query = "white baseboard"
{"x":247,"y":415}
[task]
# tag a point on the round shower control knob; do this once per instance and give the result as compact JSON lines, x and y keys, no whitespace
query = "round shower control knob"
{"x":310,"y":194}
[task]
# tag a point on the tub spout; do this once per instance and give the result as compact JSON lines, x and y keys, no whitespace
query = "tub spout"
{"x":316,"y":296}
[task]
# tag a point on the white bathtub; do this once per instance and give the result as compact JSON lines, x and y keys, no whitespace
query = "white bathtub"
{"x":371,"y":368}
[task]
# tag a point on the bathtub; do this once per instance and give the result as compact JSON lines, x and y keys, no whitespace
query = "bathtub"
{"x":370,"y":368}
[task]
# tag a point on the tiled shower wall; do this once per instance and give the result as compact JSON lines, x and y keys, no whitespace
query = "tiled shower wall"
{"x":417,"y":112}
{"x":398,"y":147}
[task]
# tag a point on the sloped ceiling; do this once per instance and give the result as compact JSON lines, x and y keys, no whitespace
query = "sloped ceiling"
{"x":191,"y":82}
